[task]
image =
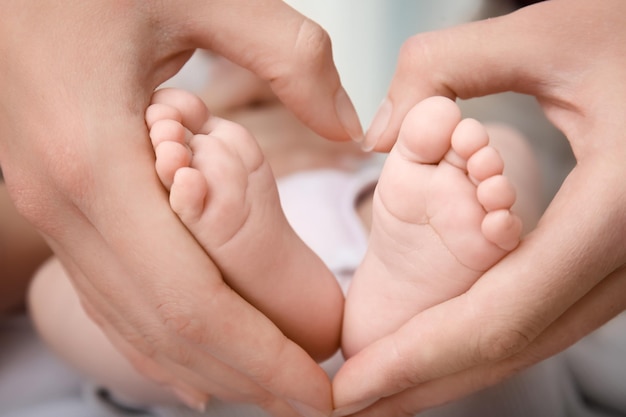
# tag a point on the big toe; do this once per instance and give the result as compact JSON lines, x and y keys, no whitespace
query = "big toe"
{"x":426,"y":132}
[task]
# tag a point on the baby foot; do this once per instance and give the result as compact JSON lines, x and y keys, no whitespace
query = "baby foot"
{"x":441,"y":217}
{"x":223,"y":190}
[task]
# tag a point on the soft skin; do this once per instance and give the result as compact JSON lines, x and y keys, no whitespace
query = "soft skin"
{"x":76,"y":79}
{"x":568,"y":276}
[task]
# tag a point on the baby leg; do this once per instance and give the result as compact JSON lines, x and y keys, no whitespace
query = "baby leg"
{"x":223,"y":190}
{"x":441,"y":217}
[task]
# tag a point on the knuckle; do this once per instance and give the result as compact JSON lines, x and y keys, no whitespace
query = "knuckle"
{"x":266,"y":369}
{"x":419,"y":60}
{"x":403,"y":373}
{"x":179,"y":321}
{"x":313,"y":43}
{"x":496,"y":343}
{"x":414,"y":52}
{"x":499,"y":331}
{"x":292,"y":77}
{"x":264,"y":375}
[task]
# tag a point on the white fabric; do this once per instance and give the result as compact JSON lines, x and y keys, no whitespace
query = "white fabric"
{"x":320,"y":206}
{"x":29,"y":373}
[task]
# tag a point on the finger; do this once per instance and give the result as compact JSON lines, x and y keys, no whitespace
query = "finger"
{"x":156,"y":313}
{"x":231,"y":87}
{"x":209,"y":341}
{"x":191,"y":373}
{"x":125,"y":364}
{"x":520,"y":52}
{"x":192,"y":323}
{"x":231,"y":351}
{"x":133,"y":373}
{"x":266,"y":364}
{"x":89,"y":348}
{"x":282,"y":47}
{"x":586,"y":315}
{"x":508,"y":307}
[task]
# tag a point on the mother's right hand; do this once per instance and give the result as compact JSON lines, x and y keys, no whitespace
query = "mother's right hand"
{"x":568,"y":276}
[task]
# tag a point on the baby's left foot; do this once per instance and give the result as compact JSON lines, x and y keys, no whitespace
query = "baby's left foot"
{"x":224,"y":192}
{"x":441,"y":218}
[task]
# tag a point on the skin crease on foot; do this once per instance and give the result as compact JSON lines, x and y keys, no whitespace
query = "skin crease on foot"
{"x":199,"y":194}
{"x":57,"y":161}
{"x":441,"y":217}
{"x":70,"y":114}
{"x":289,"y":149}
{"x":225,"y":193}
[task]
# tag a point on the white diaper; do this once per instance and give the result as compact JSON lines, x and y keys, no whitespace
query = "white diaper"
{"x":320,"y":206}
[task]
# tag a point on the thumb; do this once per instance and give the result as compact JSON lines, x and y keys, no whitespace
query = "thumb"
{"x":515,"y":52}
{"x":283,"y":47}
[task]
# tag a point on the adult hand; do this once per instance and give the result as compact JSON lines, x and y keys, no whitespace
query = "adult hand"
{"x":568,"y":276}
{"x":76,"y":78}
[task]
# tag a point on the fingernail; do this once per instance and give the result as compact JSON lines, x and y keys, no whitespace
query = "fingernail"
{"x":190,"y":400}
{"x":306,"y":410}
{"x":378,"y":126}
{"x":353,"y":408}
{"x":347,"y":116}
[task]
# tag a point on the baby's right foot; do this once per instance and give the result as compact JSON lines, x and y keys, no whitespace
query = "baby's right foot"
{"x":441,"y":218}
{"x":223,"y":190}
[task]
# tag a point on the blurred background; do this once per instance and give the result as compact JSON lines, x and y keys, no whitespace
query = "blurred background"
{"x":367,"y":36}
